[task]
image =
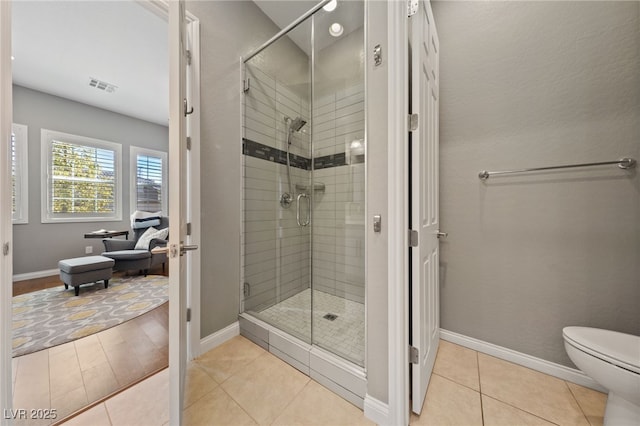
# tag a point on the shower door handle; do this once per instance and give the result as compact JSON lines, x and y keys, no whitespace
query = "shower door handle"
{"x":308,"y":219}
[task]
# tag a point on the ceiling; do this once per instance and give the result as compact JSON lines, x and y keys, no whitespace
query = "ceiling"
{"x":348,"y":13}
{"x":60,"y":45}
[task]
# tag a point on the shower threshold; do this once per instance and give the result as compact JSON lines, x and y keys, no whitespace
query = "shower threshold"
{"x":344,"y":378}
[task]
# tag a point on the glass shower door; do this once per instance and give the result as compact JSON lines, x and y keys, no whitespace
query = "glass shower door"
{"x":277,"y":151}
{"x":338,"y":176}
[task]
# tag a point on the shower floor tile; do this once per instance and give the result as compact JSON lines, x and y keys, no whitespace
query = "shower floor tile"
{"x":343,"y":335}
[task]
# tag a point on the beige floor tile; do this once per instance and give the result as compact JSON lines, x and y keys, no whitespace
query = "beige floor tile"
{"x":457,"y":363}
{"x":229,"y":358}
{"x":96,"y":416}
{"x":70,"y":402}
{"x":197,"y":384}
{"x":216,"y":408}
{"x":316,"y":405}
{"x":592,"y":402}
{"x":496,"y":413}
{"x":32,"y":382}
{"x":90,"y":352}
{"x":448,"y":403}
{"x":146,"y":403}
{"x":265,"y":387}
{"x":64,"y":374}
{"x":99,"y":381}
{"x":537,"y":393}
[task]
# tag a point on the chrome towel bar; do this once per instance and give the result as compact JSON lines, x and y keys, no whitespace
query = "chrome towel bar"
{"x":623,"y":163}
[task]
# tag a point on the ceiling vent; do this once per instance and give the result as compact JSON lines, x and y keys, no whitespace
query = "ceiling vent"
{"x":102,"y":85}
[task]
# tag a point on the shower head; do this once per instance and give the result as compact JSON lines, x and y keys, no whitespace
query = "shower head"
{"x":296,"y":124}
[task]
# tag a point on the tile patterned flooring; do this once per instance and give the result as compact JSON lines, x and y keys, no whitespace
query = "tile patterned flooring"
{"x":70,"y":376}
{"x":343,"y":336}
{"x":238,"y":383}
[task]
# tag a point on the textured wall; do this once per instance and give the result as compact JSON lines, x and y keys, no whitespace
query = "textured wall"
{"x":528,"y":84}
{"x":55,"y":241}
{"x":229,"y":29}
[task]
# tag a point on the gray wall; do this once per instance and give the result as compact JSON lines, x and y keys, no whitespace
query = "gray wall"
{"x":39,"y":246}
{"x":228,"y":29}
{"x":527,"y":84}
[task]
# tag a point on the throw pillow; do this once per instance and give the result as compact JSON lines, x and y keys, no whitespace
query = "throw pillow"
{"x":150,"y":234}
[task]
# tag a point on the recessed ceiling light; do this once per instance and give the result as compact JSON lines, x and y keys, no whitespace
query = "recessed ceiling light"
{"x":331,"y":6}
{"x":336,"y":29}
{"x":13,"y":58}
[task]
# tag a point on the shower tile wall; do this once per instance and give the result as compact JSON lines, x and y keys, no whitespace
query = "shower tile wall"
{"x":338,"y":215}
{"x":275,"y":250}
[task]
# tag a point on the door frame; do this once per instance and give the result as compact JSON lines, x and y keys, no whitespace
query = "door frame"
{"x":161,"y":8}
{"x":6,"y":226}
{"x":398,"y":208}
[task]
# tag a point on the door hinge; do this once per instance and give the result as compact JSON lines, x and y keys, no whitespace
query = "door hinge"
{"x":412,"y":7}
{"x":413,"y":238}
{"x":413,"y":122}
{"x":188,"y":55}
{"x":188,"y":314}
{"x":246,"y":85}
{"x":5,"y":249}
{"x":189,"y":228}
{"x":414,"y":355}
{"x":246,"y":290}
{"x":188,"y":143}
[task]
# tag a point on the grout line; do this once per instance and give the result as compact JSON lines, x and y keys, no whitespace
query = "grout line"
{"x":577,"y":402}
{"x":480,"y":387}
{"x":309,"y":379}
{"x":520,"y":409}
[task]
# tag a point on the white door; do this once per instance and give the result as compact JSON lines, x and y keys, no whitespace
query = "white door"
{"x":425,"y":320}
{"x":178,"y":112}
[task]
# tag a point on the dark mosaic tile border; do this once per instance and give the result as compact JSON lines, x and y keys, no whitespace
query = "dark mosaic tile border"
{"x":265,"y":152}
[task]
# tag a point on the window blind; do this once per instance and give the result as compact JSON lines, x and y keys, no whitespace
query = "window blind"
{"x":149,"y":190}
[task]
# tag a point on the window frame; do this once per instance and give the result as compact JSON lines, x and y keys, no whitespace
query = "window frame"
{"x":21,"y":137}
{"x":134,"y":151}
{"x":47,"y":137}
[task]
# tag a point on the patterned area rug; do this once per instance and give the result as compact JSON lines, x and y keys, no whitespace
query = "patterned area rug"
{"x":50,"y":317}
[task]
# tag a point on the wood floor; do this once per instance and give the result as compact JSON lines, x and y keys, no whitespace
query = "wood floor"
{"x":71,"y":376}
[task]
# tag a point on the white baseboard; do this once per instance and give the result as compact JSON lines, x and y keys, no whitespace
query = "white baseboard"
{"x":36,"y":274}
{"x":376,"y":410}
{"x":538,"y":364}
{"x":219,"y":337}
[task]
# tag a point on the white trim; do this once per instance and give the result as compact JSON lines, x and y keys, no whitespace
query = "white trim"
{"x":36,"y":274}
{"x":134,"y":151}
{"x":193,"y":209}
{"x":6,"y":228}
{"x":397,"y":194}
{"x":376,"y":410}
{"x":214,"y":340}
{"x":46,"y":138}
{"x":21,"y":132}
{"x":532,"y":362}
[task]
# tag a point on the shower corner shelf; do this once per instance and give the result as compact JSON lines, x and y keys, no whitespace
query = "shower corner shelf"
{"x":318,"y":186}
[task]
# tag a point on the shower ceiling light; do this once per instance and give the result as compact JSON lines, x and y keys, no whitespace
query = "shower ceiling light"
{"x":336,"y":29}
{"x":331,"y":6}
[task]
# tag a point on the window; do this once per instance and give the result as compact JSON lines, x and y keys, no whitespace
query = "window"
{"x":19,"y":174}
{"x":148,"y":180}
{"x":82,"y":179}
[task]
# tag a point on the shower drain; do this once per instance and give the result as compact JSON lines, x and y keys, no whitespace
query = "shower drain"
{"x":330,"y":317}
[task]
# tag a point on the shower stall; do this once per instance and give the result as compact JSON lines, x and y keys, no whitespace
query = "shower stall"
{"x":303,"y":259}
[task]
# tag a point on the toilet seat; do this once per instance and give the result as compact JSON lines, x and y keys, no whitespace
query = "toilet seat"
{"x":620,"y":349}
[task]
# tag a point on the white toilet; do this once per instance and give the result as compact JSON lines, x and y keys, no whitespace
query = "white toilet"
{"x":613,"y":360}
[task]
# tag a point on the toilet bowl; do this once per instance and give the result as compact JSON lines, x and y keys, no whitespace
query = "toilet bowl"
{"x":613,"y":360}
